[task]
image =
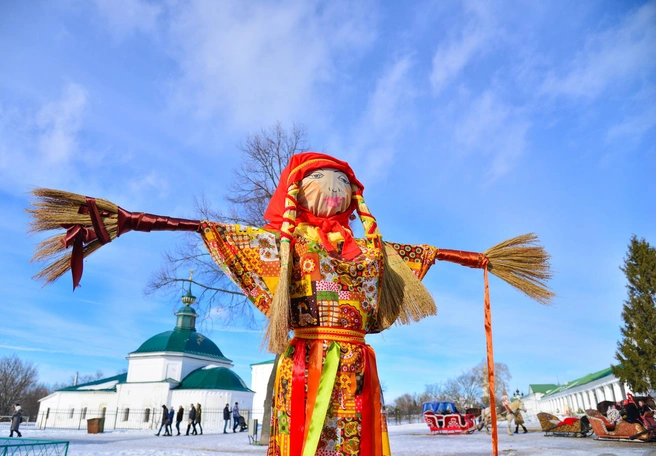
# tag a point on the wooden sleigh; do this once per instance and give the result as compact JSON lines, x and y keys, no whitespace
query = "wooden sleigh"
{"x":622,"y":431}
{"x":552,"y":426}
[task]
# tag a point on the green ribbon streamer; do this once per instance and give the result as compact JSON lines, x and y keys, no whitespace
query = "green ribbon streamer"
{"x":326,"y":383}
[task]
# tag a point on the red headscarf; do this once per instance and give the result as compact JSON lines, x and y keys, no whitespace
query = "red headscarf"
{"x":299,"y":166}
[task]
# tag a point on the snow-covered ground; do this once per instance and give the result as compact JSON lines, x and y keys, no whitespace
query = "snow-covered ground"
{"x":406,"y":440}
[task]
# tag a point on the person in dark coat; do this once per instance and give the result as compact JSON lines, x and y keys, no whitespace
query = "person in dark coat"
{"x":235,"y":416}
{"x":16,"y":421}
{"x":198,"y":413}
{"x":192,"y":420}
{"x":632,"y":415}
{"x":169,"y":422}
{"x":226,"y":418}
{"x":165,"y":415}
{"x":178,"y":418}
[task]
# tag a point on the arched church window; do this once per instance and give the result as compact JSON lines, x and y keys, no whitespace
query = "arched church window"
{"x":84,"y":413}
{"x":71,"y":413}
{"x":147,"y":415}
{"x":102,"y":413}
{"x":126,"y":414}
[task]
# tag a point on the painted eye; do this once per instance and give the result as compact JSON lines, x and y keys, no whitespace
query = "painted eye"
{"x":316,"y":175}
{"x":344,"y":180}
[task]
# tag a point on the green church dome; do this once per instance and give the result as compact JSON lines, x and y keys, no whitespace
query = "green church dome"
{"x":213,"y":377}
{"x":182,"y":341}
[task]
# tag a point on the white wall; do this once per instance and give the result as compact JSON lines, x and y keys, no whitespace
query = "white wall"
{"x":260,"y":374}
{"x":154,"y":367}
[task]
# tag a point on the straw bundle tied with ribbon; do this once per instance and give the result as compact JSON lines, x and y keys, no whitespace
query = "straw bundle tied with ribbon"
{"x":90,"y":223}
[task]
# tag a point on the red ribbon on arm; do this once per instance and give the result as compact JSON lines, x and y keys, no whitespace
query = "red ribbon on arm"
{"x":140,"y":221}
{"x":78,"y":235}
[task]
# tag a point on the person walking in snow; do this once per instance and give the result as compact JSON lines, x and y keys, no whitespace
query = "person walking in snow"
{"x":235,"y":416}
{"x":165,"y":416}
{"x":198,"y":414}
{"x":226,"y":418}
{"x":16,"y":420}
{"x":192,"y":420}
{"x":169,"y":422}
{"x":178,"y":418}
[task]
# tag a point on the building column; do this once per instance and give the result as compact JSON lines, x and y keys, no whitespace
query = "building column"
{"x":623,"y":389}
{"x":618,"y":391}
{"x":594,"y":398}
{"x":609,"y":393}
{"x":602,"y":394}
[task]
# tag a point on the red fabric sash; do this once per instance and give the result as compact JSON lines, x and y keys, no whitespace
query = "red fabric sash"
{"x":297,"y":414}
{"x":370,"y":442}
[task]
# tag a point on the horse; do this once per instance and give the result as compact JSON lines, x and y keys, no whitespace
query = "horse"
{"x":502,"y":414}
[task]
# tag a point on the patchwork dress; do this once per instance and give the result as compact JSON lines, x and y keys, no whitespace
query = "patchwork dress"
{"x":327,"y":397}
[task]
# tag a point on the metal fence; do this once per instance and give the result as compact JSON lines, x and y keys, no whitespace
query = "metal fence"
{"x":129,"y":418}
{"x":32,"y":447}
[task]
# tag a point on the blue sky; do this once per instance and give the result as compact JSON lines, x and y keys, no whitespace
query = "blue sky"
{"x":468,"y":123}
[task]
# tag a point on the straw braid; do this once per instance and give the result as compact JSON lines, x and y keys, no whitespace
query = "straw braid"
{"x":277,"y":333}
{"x":369,"y":223}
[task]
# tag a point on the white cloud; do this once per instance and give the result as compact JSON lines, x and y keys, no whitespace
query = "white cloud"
{"x":614,"y":56}
{"x":641,"y":117}
{"x":59,"y":123}
{"x":125,"y":17}
{"x":255,"y":64}
{"x":474,"y":38}
{"x":39,"y":146}
{"x":385,"y":117}
{"x":493,"y":128}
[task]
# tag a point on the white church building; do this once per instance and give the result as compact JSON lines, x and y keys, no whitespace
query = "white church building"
{"x":175,"y":368}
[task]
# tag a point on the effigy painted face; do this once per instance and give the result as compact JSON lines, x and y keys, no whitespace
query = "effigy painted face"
{"x":325,"y":192}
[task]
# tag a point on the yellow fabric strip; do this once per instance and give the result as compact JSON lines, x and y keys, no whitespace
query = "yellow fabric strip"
{"x":323,"y":399}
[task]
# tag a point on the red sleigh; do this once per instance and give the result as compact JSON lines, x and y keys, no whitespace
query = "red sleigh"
{"x":444,"y":418}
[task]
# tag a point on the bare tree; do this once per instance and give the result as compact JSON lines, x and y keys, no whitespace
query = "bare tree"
{"x":265,"y":155}
{"x":17,"y":377}
{"x":30,"y":400}
{"x":435,"y":392}
{"x":501,"y":379}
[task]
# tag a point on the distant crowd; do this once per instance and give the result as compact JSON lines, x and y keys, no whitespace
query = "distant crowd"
{"x":194,"y":416}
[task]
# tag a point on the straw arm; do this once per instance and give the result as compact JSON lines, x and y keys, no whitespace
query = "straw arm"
{"x":89,"y":223}
{"x":521,"y":262}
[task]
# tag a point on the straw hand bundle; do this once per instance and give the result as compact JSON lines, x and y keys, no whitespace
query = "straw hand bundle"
{"x":89,"y":223}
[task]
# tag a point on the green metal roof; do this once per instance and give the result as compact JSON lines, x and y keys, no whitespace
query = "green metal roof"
{"x":581,"y":381}
{"x":213,"y":378}
{"x":264,"y":362}
{"x":182,"y":341}
{"x":104,"y":384}
{"x":542,"y":388}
